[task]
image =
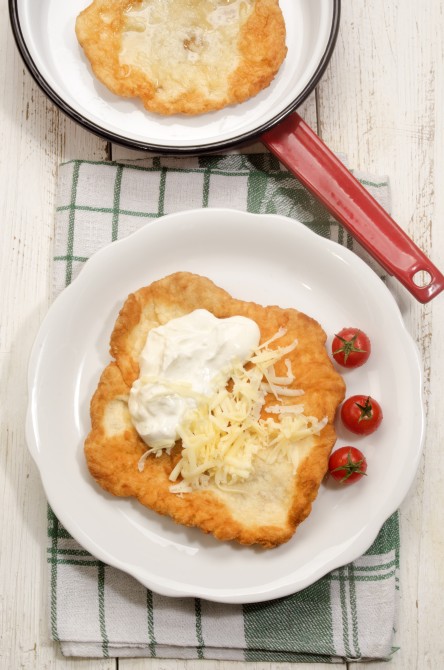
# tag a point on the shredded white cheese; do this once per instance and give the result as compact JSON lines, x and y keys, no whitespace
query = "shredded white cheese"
{"x":225,"y":432}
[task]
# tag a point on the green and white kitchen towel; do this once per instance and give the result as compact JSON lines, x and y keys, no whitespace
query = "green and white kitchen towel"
{"x":97,"y":610}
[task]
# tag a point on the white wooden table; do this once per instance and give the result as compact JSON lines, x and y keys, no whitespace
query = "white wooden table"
{"x":382,"y":103}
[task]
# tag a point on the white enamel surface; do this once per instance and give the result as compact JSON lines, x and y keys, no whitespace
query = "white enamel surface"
{"x":48,"y":31}
{"x":271,"y":260}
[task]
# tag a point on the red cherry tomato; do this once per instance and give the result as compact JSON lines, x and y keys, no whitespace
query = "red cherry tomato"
{"x":347,"y":465}
{"x":361,"y":414}
{"x":351,"y":347}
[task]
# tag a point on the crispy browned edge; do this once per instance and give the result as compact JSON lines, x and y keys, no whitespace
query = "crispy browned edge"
{"x":113,"y":461}
{"x":262,"y":49}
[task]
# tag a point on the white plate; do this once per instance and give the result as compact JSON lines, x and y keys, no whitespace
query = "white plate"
{"x":44,"y":32}
{"x":270,"y":260}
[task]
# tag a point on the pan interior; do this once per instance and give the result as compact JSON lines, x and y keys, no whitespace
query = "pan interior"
{"x":48,"y":33}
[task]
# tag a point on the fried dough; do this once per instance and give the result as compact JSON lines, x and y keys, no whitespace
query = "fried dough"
{"x":184,"y":56}
{"x":274,"y":500}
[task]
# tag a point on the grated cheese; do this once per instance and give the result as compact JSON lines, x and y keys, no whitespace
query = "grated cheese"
{"x":225,"y":432}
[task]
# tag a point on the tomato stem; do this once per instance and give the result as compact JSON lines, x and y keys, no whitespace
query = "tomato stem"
{"x":348,"y":347}
{"x":366,"y":410}
{"x":350,"y":468}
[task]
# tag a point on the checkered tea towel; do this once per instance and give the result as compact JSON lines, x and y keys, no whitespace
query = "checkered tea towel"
{"x":98,"y":611}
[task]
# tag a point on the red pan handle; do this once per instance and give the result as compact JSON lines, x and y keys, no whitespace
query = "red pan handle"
{"x":315,"y":166}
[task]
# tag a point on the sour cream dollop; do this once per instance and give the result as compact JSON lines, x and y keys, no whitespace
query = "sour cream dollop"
{"x":187,"y":356}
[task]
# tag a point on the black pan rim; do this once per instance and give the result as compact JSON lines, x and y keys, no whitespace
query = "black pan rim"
{"x":213,"y":147}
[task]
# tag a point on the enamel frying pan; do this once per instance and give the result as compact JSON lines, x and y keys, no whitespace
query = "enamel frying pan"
{"x":44,"y":33}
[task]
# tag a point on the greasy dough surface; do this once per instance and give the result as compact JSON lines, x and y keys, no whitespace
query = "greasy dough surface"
{"x":275,"y":501}
{"x":184,"y":56}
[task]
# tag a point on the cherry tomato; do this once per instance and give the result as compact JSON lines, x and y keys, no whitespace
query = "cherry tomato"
{"x":351,"y":347}
{"x":361,"y":414}
{"x":347,"y":465}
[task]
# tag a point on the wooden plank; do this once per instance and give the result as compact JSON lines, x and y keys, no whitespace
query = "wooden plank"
{"x":380,"y":103}
{"x":430,"y":331}
{"x":171,"y":664}
{"x":34,"y":137}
